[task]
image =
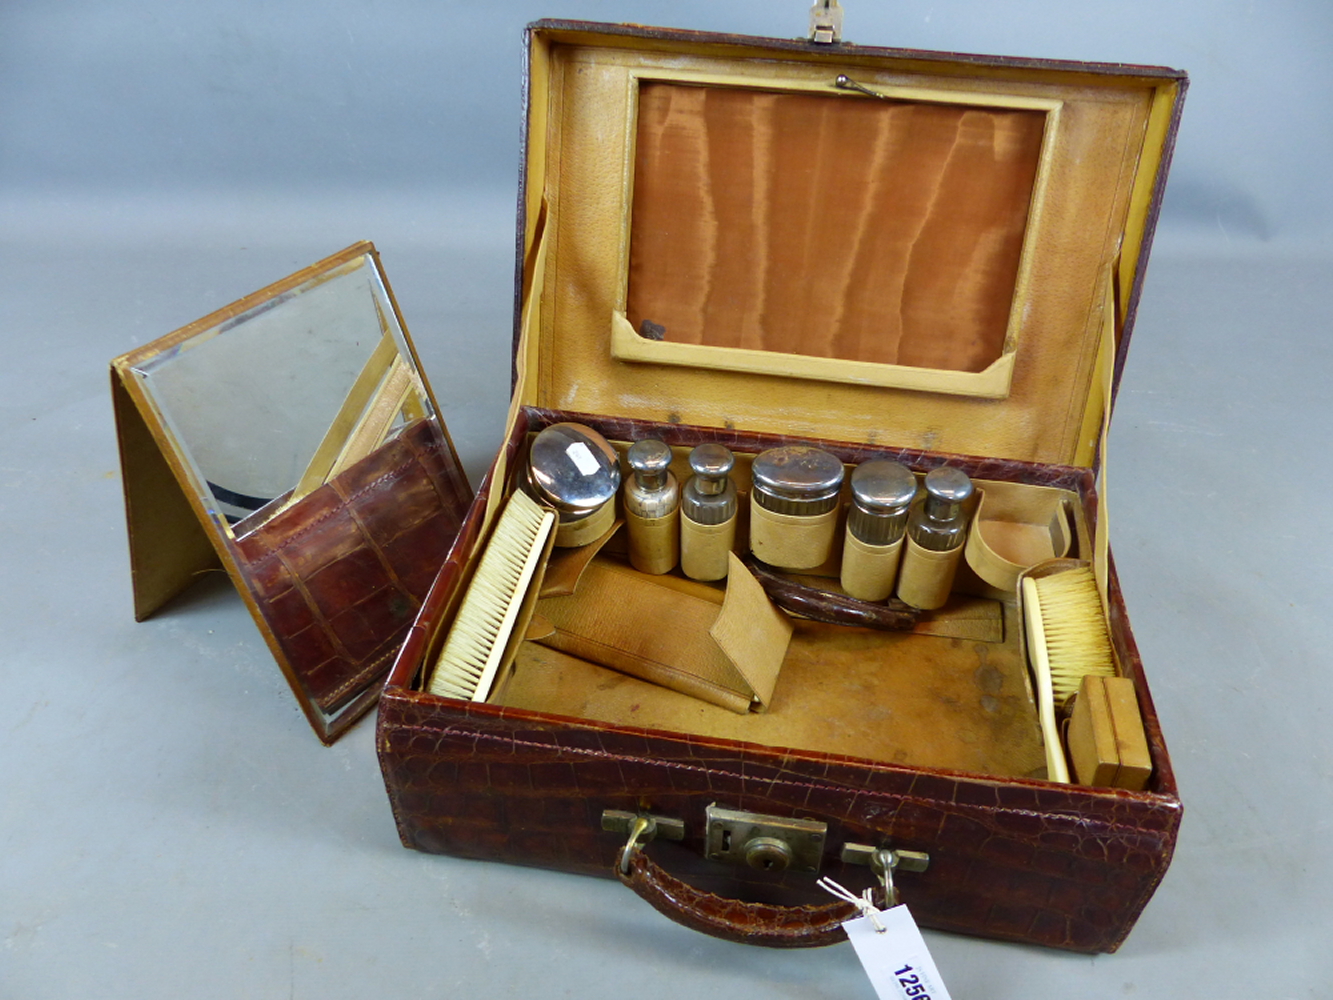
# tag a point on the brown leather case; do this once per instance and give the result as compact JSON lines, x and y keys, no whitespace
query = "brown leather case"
{"x":1012,"y":856}
{"x":339,"y":576}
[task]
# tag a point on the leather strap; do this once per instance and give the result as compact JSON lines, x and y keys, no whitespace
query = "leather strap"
{"x":827,"y":606}
{"x":732,"y":919}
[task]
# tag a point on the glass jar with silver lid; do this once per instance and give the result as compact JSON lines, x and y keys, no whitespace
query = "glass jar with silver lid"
{"x":708,"y":514}
{"x":795,"y":495}
{"x":575,"y":470}
{"x":652,"y":508}
{"x":939,"y":524}
{"x":936,"y":531}
{"x":882,"y":494}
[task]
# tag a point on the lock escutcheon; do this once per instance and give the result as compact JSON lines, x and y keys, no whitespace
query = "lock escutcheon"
{"x":765,"y":843}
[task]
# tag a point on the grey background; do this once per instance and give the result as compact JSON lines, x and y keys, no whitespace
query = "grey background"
{"x":168,"y":824}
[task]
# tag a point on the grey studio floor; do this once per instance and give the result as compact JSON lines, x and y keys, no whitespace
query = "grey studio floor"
{"x":169,"y":825}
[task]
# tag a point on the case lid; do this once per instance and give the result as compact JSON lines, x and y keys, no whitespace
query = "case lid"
{"x":879,"y":246}
{"x":292,"y":437}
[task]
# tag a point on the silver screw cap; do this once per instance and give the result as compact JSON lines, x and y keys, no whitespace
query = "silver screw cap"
{"x":797,"y":472}
{"x":882,"y":486}
{"x":573,"y":468}
{"x":712,"y":463}
{"x":650,"y":460}
{"x":948,"y":485}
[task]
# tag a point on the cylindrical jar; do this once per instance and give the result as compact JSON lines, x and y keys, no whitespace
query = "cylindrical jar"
{"x":936,"y":530}
{"x":573,"y":469}
{"x":882,"y":493}
{"x":652,"y":508}
{"x":708,"y":514}
{"x":794,"y":500}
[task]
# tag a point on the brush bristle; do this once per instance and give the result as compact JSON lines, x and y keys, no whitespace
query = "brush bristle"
{"x":471,"y":654}
{"x":1077,"y":640}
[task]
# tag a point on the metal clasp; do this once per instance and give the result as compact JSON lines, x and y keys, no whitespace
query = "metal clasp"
{"x":826,"y":22}
{"x":884,"y":861}
{"x":640,"y":828}
{"x":844,"y":82}
{"x":766,"y":843}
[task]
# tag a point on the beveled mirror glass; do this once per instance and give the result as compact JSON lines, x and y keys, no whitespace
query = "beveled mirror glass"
{"x":267,"y":405}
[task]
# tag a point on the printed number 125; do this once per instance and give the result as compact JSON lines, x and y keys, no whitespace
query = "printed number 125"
{"x":912,"y":986}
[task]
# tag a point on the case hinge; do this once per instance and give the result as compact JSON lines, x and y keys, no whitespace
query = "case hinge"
{"x":826,"y":22}
{"x":884,"y":861}
{"x":640,"y":828}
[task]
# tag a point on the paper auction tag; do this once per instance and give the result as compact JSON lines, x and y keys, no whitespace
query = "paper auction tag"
{"x":581,"y":455}
{"x":896,"y":959}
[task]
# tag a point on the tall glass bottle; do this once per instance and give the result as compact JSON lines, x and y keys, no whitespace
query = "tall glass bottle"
{"x":708,"y":514}
{"x":652,"y":508}
{"x":882,"y":494}
{"x":936,"y":531}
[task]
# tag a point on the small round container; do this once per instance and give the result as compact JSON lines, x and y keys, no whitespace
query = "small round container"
{"x":794,"y":501}
{"x":652,"y":508}
{"x":936,"y":531}
{"x":708,"y":514}
{"x":882,"y":494}
{"x":573,"y":469}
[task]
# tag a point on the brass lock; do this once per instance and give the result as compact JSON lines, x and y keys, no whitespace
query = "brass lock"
{"x":765,"y":843}
{"x":770,"y":854}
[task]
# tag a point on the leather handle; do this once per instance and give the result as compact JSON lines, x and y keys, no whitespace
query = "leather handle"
{"x":826,"y":606}
{"x":731,"y":919}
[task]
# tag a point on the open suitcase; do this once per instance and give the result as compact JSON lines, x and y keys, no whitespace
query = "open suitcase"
{"x":934,"y":258}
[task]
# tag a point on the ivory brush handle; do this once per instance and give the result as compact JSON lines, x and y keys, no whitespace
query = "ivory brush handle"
{"x":1056,"y":768}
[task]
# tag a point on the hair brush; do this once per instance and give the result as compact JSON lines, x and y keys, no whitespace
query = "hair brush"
{"x":1067,"y":641}
{"x":476,"y":645}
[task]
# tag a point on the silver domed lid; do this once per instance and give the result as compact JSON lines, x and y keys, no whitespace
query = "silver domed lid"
{"x":573,"y":468}
{"x":650,"y":460}
{"x":711,"y":463}
{"x":948,"y":485}
{"x":797,"y":472}
{"x":882,"y":486}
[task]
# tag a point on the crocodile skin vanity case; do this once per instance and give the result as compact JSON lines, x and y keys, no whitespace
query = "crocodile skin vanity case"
{"x":926,"y":257}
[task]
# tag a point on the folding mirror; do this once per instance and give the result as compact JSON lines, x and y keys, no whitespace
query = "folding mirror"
{"x":293,"y":438}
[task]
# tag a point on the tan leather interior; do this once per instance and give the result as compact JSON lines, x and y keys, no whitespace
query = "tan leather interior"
{"x":970,"y":225}
{"x":954,"y":693}
{"x":892,"y":696}
{"x":582,"y":166}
